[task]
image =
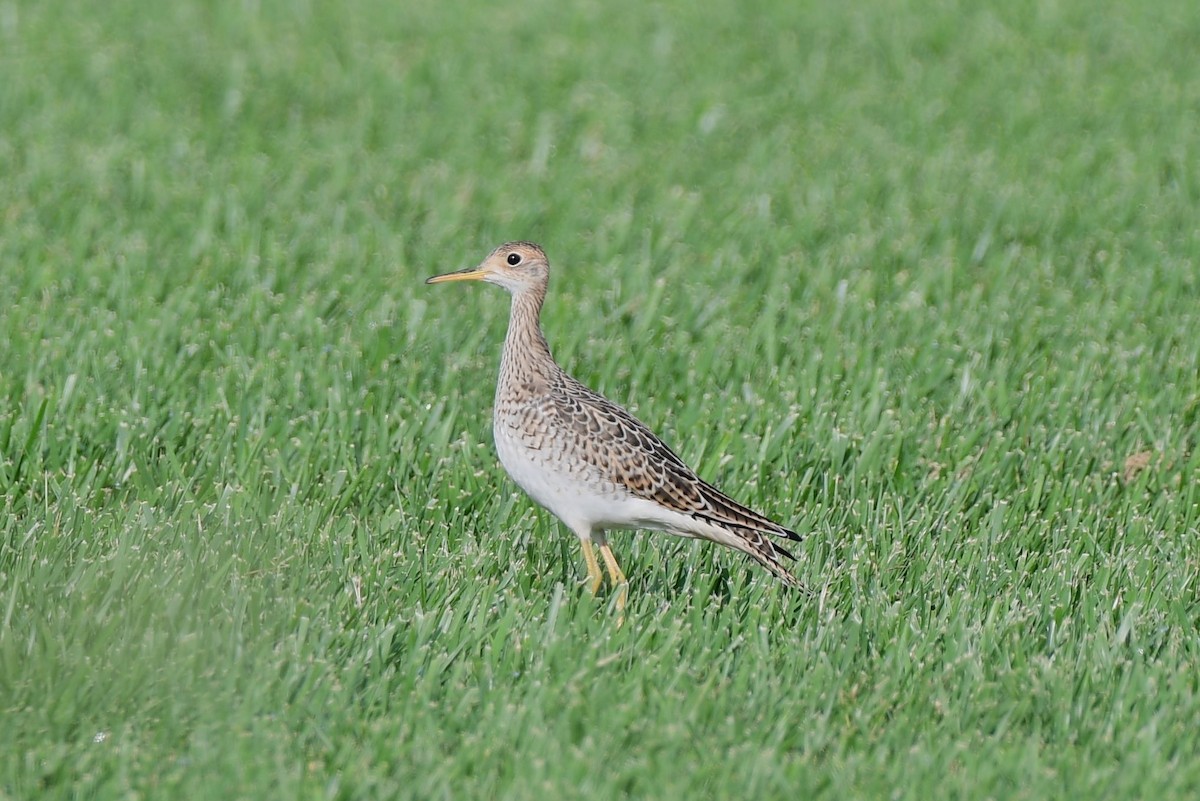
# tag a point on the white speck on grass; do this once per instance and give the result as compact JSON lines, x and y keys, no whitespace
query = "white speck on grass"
{"x":711,"y":118}
{"x":543,"y":144}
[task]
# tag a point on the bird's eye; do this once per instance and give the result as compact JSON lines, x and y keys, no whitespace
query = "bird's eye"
{"x":514,"y":259}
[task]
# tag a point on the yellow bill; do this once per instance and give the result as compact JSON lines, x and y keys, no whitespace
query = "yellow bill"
{"x":470,"y":274}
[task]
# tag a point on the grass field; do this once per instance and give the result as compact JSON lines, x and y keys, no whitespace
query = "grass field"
{"x":917,"y":279}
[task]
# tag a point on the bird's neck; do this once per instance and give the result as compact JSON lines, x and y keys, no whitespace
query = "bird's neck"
{"x":526,"y":358}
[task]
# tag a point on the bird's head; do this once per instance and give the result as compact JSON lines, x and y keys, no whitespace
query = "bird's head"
{"x":516,"y":266}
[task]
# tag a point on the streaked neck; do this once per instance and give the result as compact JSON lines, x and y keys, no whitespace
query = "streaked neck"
{"x":526,"y":357}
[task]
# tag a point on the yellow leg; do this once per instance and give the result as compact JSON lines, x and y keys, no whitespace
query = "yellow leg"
{"x":618,"y":578}
{"x":594,"y":575}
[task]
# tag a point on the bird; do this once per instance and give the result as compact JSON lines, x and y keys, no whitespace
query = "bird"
{"x":588,"y":461}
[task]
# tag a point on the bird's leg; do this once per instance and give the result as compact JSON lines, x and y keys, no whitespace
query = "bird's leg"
{"x":595,"y":577}
{"x":618,"y":578}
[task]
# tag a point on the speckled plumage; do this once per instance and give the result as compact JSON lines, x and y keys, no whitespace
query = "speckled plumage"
{"x":587,"y":460}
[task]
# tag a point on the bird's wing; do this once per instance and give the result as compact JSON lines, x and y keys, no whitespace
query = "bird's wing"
{"x":632,"y":456}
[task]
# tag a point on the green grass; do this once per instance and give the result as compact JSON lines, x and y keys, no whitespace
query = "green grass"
{"x":916,"y":279}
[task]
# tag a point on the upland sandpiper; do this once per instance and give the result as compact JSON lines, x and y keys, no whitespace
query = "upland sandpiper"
{"x":587,"y":460}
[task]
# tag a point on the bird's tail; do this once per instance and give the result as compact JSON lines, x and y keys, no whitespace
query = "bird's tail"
{"x":763,"y":550}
